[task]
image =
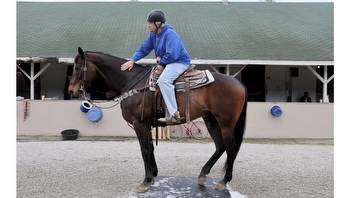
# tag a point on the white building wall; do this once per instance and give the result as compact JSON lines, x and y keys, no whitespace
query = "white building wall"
{"x":299,"y":120}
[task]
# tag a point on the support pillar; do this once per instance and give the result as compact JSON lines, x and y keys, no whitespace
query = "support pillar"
{"x":325,"y":78}
{"x":32,"y":77}
{"x":32,"y":81}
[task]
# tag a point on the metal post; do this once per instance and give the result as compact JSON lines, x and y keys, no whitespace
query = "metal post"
{"x":41,"y":71}
{"x":32,"y":81}
{"x":290,"y":86}
{"x":239,"y":71}
{"x":325,"y":82}
{"x":315,"y":73}
{"x":228,"y":70}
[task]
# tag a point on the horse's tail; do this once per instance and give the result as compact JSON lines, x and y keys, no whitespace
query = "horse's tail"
{"x":240,"y":125}
{"x":239,"y":128}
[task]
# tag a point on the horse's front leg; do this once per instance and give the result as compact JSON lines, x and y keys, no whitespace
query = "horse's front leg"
{"x":145,"y":139}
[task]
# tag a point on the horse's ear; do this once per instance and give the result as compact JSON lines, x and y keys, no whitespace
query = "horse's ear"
{"x":81,"y":51}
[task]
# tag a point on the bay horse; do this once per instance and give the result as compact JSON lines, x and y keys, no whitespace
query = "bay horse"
{"x":222,"y":105}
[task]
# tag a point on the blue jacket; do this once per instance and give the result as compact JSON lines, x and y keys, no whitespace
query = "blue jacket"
{"x":167,"y":45}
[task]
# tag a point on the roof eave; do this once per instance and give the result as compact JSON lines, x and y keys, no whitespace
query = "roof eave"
{"x":194,"y":61}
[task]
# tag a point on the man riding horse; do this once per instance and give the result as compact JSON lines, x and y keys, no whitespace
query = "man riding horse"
{"x":222,"y":104}
{"x":170,"y":53}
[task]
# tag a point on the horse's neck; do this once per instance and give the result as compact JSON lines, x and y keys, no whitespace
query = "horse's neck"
{"x":117,"y":80}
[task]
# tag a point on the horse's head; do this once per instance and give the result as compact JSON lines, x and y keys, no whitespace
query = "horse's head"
{"x":84,"y":73}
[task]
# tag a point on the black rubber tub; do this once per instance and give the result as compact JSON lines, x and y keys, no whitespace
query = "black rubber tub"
{"x":70,"y":134}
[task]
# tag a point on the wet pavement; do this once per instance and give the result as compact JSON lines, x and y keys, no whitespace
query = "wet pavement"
{"x":115,"y":168}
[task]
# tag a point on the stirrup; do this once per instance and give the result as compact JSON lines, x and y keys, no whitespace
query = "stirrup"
{"x":175,"y":119}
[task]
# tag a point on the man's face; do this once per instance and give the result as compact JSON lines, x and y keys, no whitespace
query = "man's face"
{"x":152,"y":27}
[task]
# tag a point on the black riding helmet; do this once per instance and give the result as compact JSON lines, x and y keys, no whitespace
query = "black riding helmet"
{"x":156,"y":16}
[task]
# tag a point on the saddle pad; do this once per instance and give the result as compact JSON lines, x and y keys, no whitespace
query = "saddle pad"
{"x":195,"y":81}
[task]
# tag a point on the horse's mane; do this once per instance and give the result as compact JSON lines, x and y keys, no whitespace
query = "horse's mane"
{"x":114,"y":57}
{"x":137,"y":74}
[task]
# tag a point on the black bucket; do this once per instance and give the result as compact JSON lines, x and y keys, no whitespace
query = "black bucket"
{"x":70,"y":134}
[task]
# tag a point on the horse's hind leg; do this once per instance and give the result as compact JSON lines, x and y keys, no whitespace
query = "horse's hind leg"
{"x":232,"y":143}
{"x":227,"y":136}
{"x":233,"y":137}
{"x":215,"y":133}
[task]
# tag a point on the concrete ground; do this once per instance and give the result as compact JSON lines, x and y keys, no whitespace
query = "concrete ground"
{"x":115,"y":168}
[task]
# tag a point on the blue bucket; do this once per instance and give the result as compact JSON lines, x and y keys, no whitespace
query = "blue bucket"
{"x":94,"y":114}
{"x":276,"y":111}
{"x":85,"y":106}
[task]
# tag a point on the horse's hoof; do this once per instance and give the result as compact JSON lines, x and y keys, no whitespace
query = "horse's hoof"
{"x":202,"y":180}
{"x":220,"y":186}
{"x":155,"y":174}
{"x":143,"y":188}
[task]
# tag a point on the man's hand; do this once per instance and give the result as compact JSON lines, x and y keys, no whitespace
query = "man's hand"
{"x":127,"y":66}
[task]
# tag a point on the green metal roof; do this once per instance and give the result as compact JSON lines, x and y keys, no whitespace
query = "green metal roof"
{"x":211,"y":30}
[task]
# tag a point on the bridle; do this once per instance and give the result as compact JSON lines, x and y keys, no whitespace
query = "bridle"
{"x":84,"y":75}
{"x":82,"y":85}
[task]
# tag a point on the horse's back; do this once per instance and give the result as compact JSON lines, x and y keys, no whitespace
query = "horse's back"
{"x":228,"y":83}
{"x":225,"y":97}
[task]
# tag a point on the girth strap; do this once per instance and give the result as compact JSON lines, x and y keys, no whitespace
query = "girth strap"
{"x":188,"y":99}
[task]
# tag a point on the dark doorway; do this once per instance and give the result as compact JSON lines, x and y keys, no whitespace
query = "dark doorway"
{"x":222,"y":70}
{"x":23,"y":83}
{"x":69,"y":73}
{"x":253,"y":77}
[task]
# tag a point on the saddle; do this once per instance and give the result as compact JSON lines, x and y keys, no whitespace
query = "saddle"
{"x":190,"y":79}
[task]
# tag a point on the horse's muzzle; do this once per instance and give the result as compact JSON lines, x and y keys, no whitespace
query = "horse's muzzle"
{"x":73,"y":90}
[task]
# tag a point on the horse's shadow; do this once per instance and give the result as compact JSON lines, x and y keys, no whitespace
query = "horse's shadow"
{"x":182,"y":187}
